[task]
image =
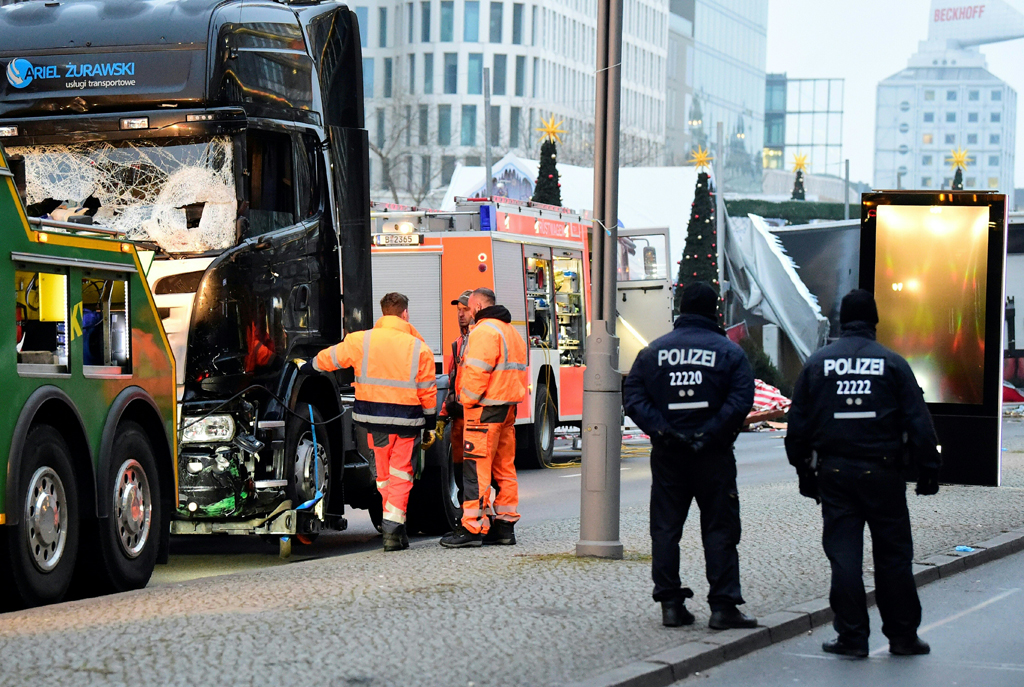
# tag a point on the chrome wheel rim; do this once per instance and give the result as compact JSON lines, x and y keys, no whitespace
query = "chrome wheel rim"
{"x":45,"y":519}
{"x":133,"y":508}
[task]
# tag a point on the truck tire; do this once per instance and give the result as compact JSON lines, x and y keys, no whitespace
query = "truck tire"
{"x":42,"y":548}
{"x":535,"y":442}
{"x":298,"y":446}
{"x":434,"y":506}
{"x":128,"y":538}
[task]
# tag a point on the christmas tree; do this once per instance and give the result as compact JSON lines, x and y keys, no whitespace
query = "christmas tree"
{"x":958,"y":159}
{"x":799,"y":165}
{"x":700,"y":255}
{"x":547,"y":189}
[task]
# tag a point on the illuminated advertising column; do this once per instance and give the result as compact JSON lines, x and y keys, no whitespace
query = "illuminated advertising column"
{"x":935,"y":264}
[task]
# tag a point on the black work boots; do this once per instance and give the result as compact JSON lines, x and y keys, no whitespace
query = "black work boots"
{"x":501,"y":532}
{"x":461,"y":538}
{"x":841,"y":648}
{"x":395,"y":537}
{"x":915,"y":646}
{"x":674,"y":613}
{"x":730,"y":618}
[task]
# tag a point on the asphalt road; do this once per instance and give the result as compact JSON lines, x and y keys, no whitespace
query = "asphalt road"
{"x":544,"y":495}
{"x":972,"y":621}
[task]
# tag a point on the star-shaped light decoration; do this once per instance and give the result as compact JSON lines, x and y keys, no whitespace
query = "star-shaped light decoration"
{"x":552,"y":130}
{"x":958,"y":158}
{"x":700,"y":158}
{"x":800,"y":163}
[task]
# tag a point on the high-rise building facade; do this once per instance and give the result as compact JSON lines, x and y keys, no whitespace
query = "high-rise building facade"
{"x":803,"y":117}
{"x":946,"y":100}
{"x":424,"y":62}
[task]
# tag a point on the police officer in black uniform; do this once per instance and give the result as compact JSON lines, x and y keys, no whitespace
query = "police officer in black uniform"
{"x":858,"y":415}
{"x":691,"y":390}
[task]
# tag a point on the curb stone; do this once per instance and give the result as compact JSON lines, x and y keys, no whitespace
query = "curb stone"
{"x":674,"y":664}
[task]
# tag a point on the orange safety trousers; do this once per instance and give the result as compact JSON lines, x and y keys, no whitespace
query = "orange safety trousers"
{"x":393,"y":455}
{"x":489,"y":455}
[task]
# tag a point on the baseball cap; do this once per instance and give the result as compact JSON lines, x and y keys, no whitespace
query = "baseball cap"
{"x":464,"y":298}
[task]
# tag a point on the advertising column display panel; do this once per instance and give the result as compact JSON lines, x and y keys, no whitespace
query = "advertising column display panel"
{"x":935,"y":264}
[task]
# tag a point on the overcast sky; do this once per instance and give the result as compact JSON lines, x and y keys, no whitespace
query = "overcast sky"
{"x":865,"y":42}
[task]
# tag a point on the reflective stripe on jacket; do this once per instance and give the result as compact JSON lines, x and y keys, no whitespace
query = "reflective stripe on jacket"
{"x":396,"y":388}
{"x":493,"y":368}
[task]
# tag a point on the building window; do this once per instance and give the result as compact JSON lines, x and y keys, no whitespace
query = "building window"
{"x":499,"y":77}
{"x":425,"y":172}
{"x":409,"y":16}
{"x":929,"y":95}
{"x":997,"y":95}
{"x":950,"y":139}
{"x":993,"y":139}
{"x":451,"y":72}
{"x":995,"y":117}
{"x":520,"y":75}
{"x":993,"y":160}
{"x":904,"y":128}
{"x":469,"y":125}
{"x":444,"y":126}
{"x":425,"y":22}
{"x":972,"y":139}
{"x":536,"y":68}
{"x":904,"y":106}
{"x":926,"y":182}
{"x":929,"y":116}
{"x":412,"y":74}
{"x":447,"y":21}
{"x":972,"y":117}
{"x":407,"y":124}
{"x":381,"y":121}
{"x":428,"y":73}
{"x":382,"y":27}
{"x":388,"y":65}
{"x":495,"y":136}
{"x":363,"y":17}
{"x":424,"y":125}
{"x":926,"y":160}
{"x":475,"y":75}
{"x":993,"y":182}
{"x":513,"y":127}
{"x":497,"y":15}
{"x":974,"y":95}
{"x":970,"y":182}
{"x":951,"y":117}
{"x":517,"y":23}
{"x":471,"y":21}
{"x":472,"y":160}
{"x":950,"y":96}
{"x":947,"y":182}
{"x":533,"y":27}
{"x":927,"y":139}
{"x":903,"y":149}
{"x":368,"y":77}
{"x":408,"y":173}
{"x":447,"y":168}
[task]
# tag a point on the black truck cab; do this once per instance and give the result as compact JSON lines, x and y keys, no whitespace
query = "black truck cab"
{"x":228,"y":138}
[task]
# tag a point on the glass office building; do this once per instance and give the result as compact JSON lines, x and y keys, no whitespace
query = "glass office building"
{"x":803,"y":117}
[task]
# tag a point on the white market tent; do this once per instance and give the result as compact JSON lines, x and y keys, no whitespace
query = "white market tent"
{"x":649,"y":197}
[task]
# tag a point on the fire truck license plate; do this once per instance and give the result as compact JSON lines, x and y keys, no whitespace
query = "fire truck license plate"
{"x":397,"y":239}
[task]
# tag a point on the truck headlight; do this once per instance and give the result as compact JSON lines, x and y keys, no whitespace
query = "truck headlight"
{"x":208,"y":429}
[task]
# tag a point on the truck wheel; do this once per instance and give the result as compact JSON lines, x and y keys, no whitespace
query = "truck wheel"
{"x":299,"y":451}
{"x":42,"y":548}
{"x":129,"y":536}
{"x":535,"y":443}
{"x":434,"y":506}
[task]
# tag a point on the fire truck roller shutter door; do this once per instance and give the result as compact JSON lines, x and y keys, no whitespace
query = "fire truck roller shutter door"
{"x":418,"y":276}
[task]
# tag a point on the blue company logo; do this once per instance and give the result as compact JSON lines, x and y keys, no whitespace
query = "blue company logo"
{"x":19,"y":72}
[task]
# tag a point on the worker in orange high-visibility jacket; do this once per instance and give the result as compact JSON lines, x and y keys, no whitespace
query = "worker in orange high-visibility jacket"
{"x":396,"y":399}
{"x":490,"y":384}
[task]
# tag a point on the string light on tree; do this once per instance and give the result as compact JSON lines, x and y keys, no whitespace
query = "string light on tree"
{"x":799,"y":165}
{"x":700,"y":255}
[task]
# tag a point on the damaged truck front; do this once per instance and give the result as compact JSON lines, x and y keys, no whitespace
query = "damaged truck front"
{"x":228,"y":137}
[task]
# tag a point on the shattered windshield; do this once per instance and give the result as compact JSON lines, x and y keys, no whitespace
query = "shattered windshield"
{"x":177,"y":193}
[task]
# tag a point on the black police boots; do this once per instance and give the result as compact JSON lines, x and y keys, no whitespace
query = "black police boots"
{"x":674,"y":613}
{"x":913,"y":646}
{"x":501,"y":532}
{"x":461,"y":538}
{"x":838,"y":646}
{"x":395,"y":537}
{"x":729,"y":619}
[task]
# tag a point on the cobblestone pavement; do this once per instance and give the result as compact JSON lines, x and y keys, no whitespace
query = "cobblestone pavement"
{"x":526,"y":615}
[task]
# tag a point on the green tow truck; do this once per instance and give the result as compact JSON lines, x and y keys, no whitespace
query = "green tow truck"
{"x":87,"y":460}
